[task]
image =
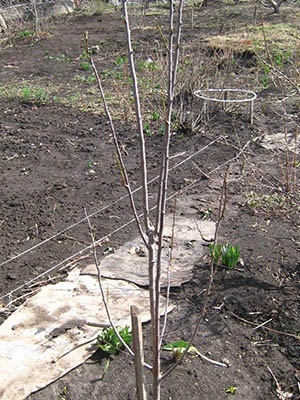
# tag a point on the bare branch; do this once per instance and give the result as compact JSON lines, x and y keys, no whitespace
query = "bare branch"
{"x":102,"y":289}
{"x":115,"y":139}
{"x":222,"y":206}
{"x":139,"y":120}
{"x":169,"y":272}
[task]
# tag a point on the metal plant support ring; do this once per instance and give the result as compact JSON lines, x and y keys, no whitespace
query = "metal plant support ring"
{"x":226,"y":96}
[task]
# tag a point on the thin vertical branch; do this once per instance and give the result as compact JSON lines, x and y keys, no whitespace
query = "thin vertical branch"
{"x":151,"y":242}
{"x":36,"y":17}
{"x":139,"y":119}
{"x":164,"y":326}
{"x":162,"y":193}
{"x":115,"y":139}
{"x":221,"y":212}
{"x":172,"y":73}
{"x":165,"y":152}
{"x":102,"y":289}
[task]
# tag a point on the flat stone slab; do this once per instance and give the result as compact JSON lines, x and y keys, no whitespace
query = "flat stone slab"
{"x":53,"y":332}
{"x":281,"y":141}
{"x":130,"y":263}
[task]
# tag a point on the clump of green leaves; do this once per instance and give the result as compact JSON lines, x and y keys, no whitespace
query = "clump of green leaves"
{"x":60,"y":57}
{"x":120,"y":61}
{"x":147,"y":129}
{"x":34,"y":95}
{"x":205,"y":213}
{"x":85,"y":66}
{"x":227,"y":253}
{"x":266,"y":202}
{"x":109,"y":342}
{"x":24,"y":33}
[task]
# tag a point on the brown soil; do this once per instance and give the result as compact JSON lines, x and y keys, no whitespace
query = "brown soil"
{"x":58,"y":159}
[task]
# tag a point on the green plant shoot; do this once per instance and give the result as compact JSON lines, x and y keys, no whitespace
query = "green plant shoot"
{"x":177,"y":348}
{"x":110,"y":343}
{"x":228,"y":253}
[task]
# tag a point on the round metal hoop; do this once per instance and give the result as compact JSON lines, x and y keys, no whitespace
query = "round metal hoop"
{"x":242,"y":96}
{"x":201,"y":93}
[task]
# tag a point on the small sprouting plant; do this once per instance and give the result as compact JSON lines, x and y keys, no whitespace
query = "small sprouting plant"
{"x":109,"y":342}
{"x":147,"y":129}
{"x":228,"y":253}
{"x":155,"y":116}
{"x":265,"y":81}
{"x":84,"y":56}
{"x":177,"y":348}
{"x":231,"y":390}
{"x":34,"y":95}
{"x":105,"y":73}
{"x":120,"y":61}
{"x":215,"y":252}
{"x":85,"y":79}
{"x":63,"y":394}
{"x":141,"y":65}
{"x":26,"y":94}
{"x":85,"y":66}
{"x":24,"y":33}
{"x":61,"y":58}
{"x":205,"y":213}
{"x":161,"y":130}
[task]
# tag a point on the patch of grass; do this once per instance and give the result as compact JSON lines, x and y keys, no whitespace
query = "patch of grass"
{"x":266,"y":202}
{"x":85,"y":79}
{"x":110,"y":343}
{"x":281,"y":40}
{"x":25,"y":33}
{"x":61,"y":58}
{"x":120,"y":61}
{"x":34,"y":95}
{"x":93,"y":7}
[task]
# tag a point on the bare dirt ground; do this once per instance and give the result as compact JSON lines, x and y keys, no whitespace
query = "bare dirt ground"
{"x":57,"y":158}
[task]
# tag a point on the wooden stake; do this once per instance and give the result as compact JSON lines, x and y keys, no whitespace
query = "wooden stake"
{"x":138,"y":352}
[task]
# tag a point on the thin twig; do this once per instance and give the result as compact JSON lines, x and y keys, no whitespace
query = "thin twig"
{"x":222,"y":206}
{"x":169,"y":273}
{"x":266,"y":327}
{"x":102,"y":289}
{"x":164,"y":174}
{"x":116,"y":142}
{"x":275,"y":379}
{"x":220,"y":364}
{"x":139,"y":121}
{"x":263,"y":324}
